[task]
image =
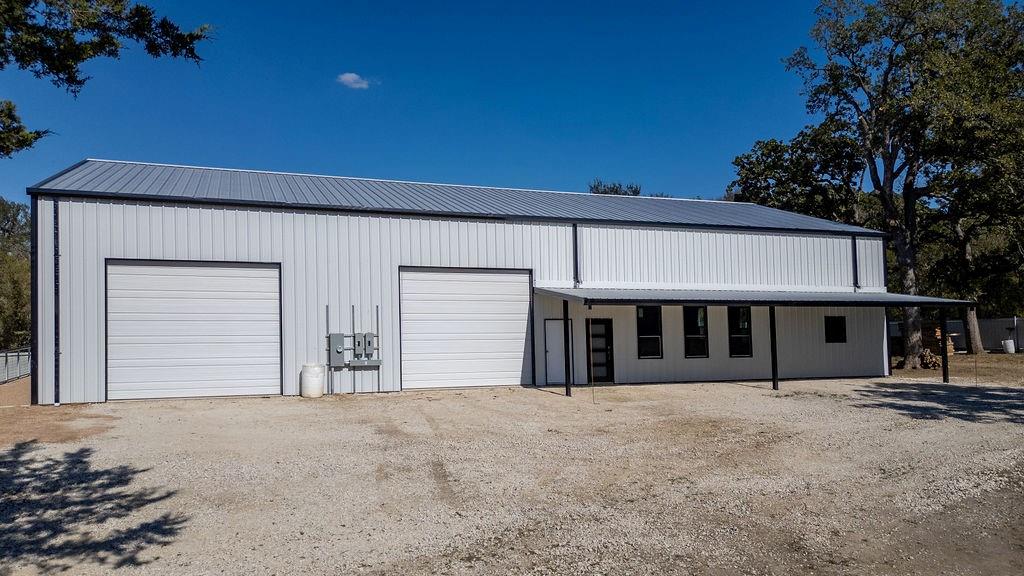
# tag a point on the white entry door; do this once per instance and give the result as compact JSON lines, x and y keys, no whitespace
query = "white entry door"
{"x":192,"y":329}
{"x":554,"y":350}
{"x":465,"y":328}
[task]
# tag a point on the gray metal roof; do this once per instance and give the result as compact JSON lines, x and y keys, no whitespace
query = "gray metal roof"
{"x":161,"y":182}
{"x":758,"y":297}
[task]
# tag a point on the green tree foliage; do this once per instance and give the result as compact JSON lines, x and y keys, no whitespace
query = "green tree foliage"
{"x":930,"y":93}
{"x":53,"y":38}
{"x":614,"y":188}
{"x":15,"y":279}
{"x":816,"y":173}
{"x":597,"y":186}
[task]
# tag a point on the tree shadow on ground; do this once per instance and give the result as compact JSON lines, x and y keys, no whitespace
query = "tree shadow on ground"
{"x":53,"y":512}
{"x":931,"y":401}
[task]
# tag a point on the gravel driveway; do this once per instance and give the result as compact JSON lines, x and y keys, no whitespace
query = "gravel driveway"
{"x":823,"y":477}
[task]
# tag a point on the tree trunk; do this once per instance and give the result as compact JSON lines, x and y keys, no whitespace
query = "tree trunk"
{"x":906,"y":258}
{"x":971,"y":332}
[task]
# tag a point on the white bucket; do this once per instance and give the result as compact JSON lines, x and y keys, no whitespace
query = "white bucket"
{"x":1009,"y":346}
{"x":311,"y":383}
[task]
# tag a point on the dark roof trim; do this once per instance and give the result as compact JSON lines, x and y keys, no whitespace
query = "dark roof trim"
{"x":43,"y":182}
{"x":38,"y":190}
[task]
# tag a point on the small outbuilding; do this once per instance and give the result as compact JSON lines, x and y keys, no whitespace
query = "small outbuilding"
{"x":157,"y":281}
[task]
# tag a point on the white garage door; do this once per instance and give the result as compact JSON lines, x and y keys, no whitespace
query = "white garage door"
{"x":465,"y":328}
{"x":192,"y":330}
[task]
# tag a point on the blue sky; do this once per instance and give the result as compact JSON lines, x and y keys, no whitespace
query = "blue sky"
{"x":524,"y":94}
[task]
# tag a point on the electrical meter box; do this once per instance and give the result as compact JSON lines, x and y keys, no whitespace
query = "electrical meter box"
{"x":336,"y":355}
{"x":365,"y":347}
{"x":358,"y":345}
{"x":369,"y":344}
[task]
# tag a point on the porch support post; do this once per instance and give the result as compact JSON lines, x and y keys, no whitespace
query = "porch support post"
{"x":566,"y":350}
{"x":942,"y":345}
{"x":775,"y":349}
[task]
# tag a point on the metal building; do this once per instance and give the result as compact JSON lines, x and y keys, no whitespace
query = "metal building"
{"x":154,"y":281}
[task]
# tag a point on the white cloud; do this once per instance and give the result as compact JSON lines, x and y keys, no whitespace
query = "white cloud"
{"x":353,"y":80}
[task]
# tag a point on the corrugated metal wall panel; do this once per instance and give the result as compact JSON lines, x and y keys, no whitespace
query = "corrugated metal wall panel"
{"x":803,"y":352}
{"x":620,"y":257}
{"x":43,"y":377}
{"x":347,"y":259}
{"x":326,"y":258}
{"x":871,"y":264}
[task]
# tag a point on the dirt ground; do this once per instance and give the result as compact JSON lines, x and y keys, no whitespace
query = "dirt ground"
{"x":872,"y":477}
{"x":16,"y":392}
{"x":992,"y":367}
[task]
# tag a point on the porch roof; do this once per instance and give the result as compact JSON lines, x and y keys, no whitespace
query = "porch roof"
{"x":745,"y":297}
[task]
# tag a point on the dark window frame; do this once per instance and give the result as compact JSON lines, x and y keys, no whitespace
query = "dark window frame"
{"x":706,"y":337}
{"x":659,"y":335}
{"x":749,"y":335}
{"x":838,"y":322}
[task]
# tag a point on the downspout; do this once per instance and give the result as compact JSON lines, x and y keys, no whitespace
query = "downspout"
{"x":575,"y":257}
{"x":856,"y":272}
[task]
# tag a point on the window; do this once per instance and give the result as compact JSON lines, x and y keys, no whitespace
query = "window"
{"x":695,"y":331}
{"x":648,"y":331}
{"x":835,"y":329}
{"x":740,"y":341}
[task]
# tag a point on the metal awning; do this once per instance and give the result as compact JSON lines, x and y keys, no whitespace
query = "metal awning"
{"x":747,"y":297}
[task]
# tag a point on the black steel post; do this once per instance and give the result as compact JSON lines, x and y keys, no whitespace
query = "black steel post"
{"x":942,"y":345}
{"x":774,"y":347}
{"x":566,"y":351}
{"x":575,"y":257}
{"x":856,"y":267}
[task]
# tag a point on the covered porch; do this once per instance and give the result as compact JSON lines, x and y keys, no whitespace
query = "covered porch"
{"x":664,"y":335}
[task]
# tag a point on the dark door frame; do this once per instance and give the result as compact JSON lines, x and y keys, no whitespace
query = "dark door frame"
{"x":609,"y":350}
{"x":572,"y":358}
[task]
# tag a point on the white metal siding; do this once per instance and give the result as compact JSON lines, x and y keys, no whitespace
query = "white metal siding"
{"x":345,"y":260}
{"x":339,"y":259}
{"x":624,"y":257}
{"x":801,"y":344}
{"x":871,"y":264}
{"x":462,"y":328}
{"x":186,"y":330}
{"x":44,"y":300}
{"x":803,"y":352}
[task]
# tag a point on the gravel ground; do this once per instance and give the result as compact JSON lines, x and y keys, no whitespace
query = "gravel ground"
{"x":823,"y":477}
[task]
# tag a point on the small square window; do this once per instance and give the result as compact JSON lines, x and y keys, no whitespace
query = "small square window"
{"x":835,"y":329}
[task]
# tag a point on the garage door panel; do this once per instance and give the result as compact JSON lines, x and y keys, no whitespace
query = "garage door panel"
{"x":196,"y":328}
{"x":184,"y":285}
{"x":464,"y":328}
{"x":224,"y":352}
{"x":458,"y":380}
{"x":467,"y":309}
{"x":434,"y":347}
{"x":442,"y":326}
{"x":192,"y":330}
{"x":199,"y":373}
{"x":197,"y":306}
{"x":207,"y":390}
{"x":480,"y":366}
{"x":269,"y":294}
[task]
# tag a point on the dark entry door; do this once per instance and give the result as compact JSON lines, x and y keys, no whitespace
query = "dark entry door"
{"x":600,"y":365}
